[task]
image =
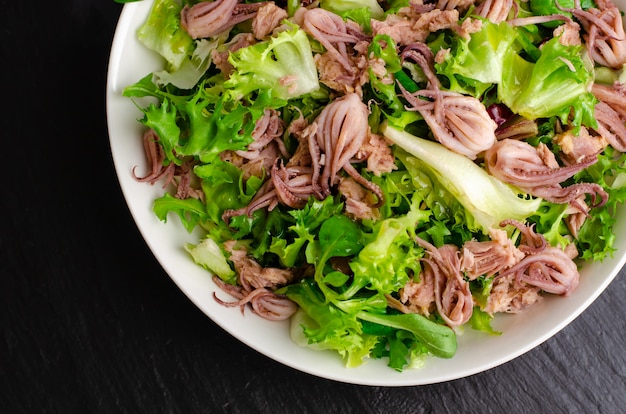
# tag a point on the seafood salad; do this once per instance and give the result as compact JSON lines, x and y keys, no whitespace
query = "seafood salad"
{"x":386,"y":174}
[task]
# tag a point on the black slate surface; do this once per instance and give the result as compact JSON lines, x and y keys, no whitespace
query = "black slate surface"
{"x":92,"y":324}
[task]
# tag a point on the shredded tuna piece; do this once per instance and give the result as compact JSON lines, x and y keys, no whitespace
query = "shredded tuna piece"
{"x":302,"y":155}
{"x":400,"y":30}
{"x":358,"y":202}
{"x":576,"y":148}
{"x":268,"y":17}
{"x":378,"y":154}
{"x":416,"y":27}
{"x":416,"y":297}
{"x":255,"y":286}
{"x":510,"y":296}
{"x":220,"y":57}
{"x":568,"y":33}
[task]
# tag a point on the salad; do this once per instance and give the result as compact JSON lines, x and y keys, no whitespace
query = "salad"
{"x":386,"y":175}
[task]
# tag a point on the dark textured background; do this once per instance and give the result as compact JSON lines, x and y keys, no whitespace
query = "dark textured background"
{"x":92,"y":324}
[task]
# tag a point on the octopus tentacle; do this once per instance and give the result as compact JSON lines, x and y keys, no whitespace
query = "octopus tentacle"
{"x":531,"y":241}
{"x":551,"y":270}
{"x":332,"y":32}
{"x":495,"y":11}
{"x":452,"y":295}
{"x":570,"y":194}
{"x":180,"y":176}
{"x":255,"y":286}
{"x":273,"y":307}
{"x":606,"y":40}
{"x":518,"y":163}
{"x":210,"y":18}
{"x":421,"y":54}
{"x":293,"y":185}
{"x":264,"y":302}
{"x":269,"y":128}
{"x":611,"y":114}
{"x":611,"y":126}
{"x":265,"y":197}
{"x":155,"y":157}
{"x":374,"y":188}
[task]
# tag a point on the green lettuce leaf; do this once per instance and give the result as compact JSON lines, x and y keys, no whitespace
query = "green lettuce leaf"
{"x":283,"y":65}
{"x":558,"y":84}
{"x":465,"y":66}
{"x":163,"y":33}
{"x":488,"y":200}
{"x":596,"y":237}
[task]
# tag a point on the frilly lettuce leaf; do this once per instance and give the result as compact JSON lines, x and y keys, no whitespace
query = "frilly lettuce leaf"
{"x":208,"y":254}
{"x":465,"y":65}
{"x":557,"y":83}
{"x":390,"y":254}
{"x":284,"y":65}
{"x":343,"y":6}
{"x":193,"y":67}
{"x":324,"y":326}
{"x":596,"y":237}
{"x":163,"y":33}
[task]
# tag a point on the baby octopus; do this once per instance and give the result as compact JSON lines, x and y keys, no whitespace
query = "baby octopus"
{"x":333,"y":140}
{"x":536,"y":171}
{"x":460,"y":123}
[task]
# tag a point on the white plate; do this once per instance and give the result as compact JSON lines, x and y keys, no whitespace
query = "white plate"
{"x":129,"y":62}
